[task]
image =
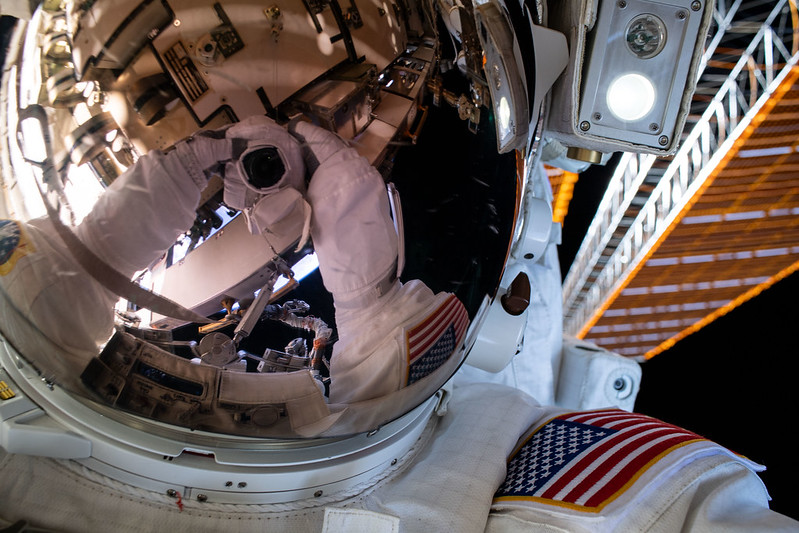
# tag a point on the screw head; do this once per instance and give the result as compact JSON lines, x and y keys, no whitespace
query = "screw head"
{"x":654,"y":126}
{"x":663,"y":140}
{"x":696,"y":5}
{"x":622,"y":4}
{"x":597,"y":116}
{"x":202,"y":498}
{"x":682,"y":15}
{"x":585,"y":126}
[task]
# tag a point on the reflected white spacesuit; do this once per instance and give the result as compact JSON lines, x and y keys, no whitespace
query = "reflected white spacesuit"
{"x":492,"y":459}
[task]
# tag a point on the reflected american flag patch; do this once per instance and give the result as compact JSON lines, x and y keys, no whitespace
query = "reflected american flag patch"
{"x":431,"y":342}
{"x":586,"y":460}
{"x":13,"y":245}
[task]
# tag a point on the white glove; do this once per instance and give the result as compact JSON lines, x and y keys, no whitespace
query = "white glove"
{"x":206,"y":152}
{"x":318,"y":144}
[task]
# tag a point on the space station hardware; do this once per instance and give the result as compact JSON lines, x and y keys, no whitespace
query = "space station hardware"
{"x":592,"y":377}
{"x":631,"y":74}
{"x":343,"y":101}
{"x":437,"y":110}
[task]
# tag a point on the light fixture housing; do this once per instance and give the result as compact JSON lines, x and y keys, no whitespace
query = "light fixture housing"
{"x":504,"y":75}
{"x":517,"y":81}
{"x":631,"y":73}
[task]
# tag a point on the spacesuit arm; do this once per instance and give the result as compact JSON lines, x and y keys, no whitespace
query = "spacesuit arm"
{"x":141,"y":214}
{"x":54,"y":311}
{"x":390,"y":334}
{"x":728,"y":498}
{"x":652,"y":477}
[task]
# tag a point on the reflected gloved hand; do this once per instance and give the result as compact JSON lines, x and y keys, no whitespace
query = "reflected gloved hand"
{"x":318,"y":145}
{"x":207,"y":152}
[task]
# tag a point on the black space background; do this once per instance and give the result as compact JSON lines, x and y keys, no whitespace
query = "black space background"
{"x":734,"y":381}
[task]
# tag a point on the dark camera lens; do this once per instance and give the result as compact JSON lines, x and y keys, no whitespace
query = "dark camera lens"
{"x":263,"y":167}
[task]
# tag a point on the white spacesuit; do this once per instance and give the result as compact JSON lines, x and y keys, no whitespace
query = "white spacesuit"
{"x":491,"y":459}
{"x":128,"y":433}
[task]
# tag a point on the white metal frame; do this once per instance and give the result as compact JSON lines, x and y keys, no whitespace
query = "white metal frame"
{"x":603,"y":261}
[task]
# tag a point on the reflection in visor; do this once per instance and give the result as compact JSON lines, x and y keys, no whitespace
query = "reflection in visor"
{"x":327,"y":354}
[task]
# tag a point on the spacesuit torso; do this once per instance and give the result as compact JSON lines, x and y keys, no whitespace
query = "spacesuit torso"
{"x":453,"y":479}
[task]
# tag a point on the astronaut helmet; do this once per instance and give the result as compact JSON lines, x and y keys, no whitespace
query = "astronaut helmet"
{"x":348,"y":243}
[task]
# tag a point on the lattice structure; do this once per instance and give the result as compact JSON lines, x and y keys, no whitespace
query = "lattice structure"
{"x":677,"y":243}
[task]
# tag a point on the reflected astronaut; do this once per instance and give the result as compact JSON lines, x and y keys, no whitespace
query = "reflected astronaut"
{"x":346,"y":214}
{"x":121,"y":409}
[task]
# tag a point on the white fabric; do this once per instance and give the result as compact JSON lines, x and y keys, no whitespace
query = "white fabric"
{"x":356,"y":244}
{"x":446,"y":484}
{"x":534,"y":369}
{"x":370,"y":358}
{"x":352,"y":230}
{"x":138,"y":217}
{"x":358,"y":521}
{"x":52,"y":310}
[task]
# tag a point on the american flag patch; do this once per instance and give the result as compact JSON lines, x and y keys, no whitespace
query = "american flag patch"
{"x":586,"y":460}
{"x":431,"y":342}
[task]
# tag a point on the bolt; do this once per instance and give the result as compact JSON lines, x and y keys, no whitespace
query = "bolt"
{"x":202,"y":498}
{"x":172,"y":493}
{"x":696,"y":5}
{"x":585,"y":126}
{"x":318,"y":493}
{"x":228,"y":483}
{"x":618,"y":384}
{"x":663,"y":140}
{"x":242,"y":485}
{"x":393,"y":462}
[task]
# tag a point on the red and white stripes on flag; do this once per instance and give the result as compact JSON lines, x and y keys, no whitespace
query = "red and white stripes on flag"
{"x":586,"y":460}
{"x":431,"y":342}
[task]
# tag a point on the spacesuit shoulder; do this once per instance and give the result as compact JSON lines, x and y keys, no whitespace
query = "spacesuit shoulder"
{"x":610,"y":470}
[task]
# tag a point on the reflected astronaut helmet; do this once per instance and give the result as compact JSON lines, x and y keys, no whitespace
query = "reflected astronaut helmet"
{"x":362,"y":144}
